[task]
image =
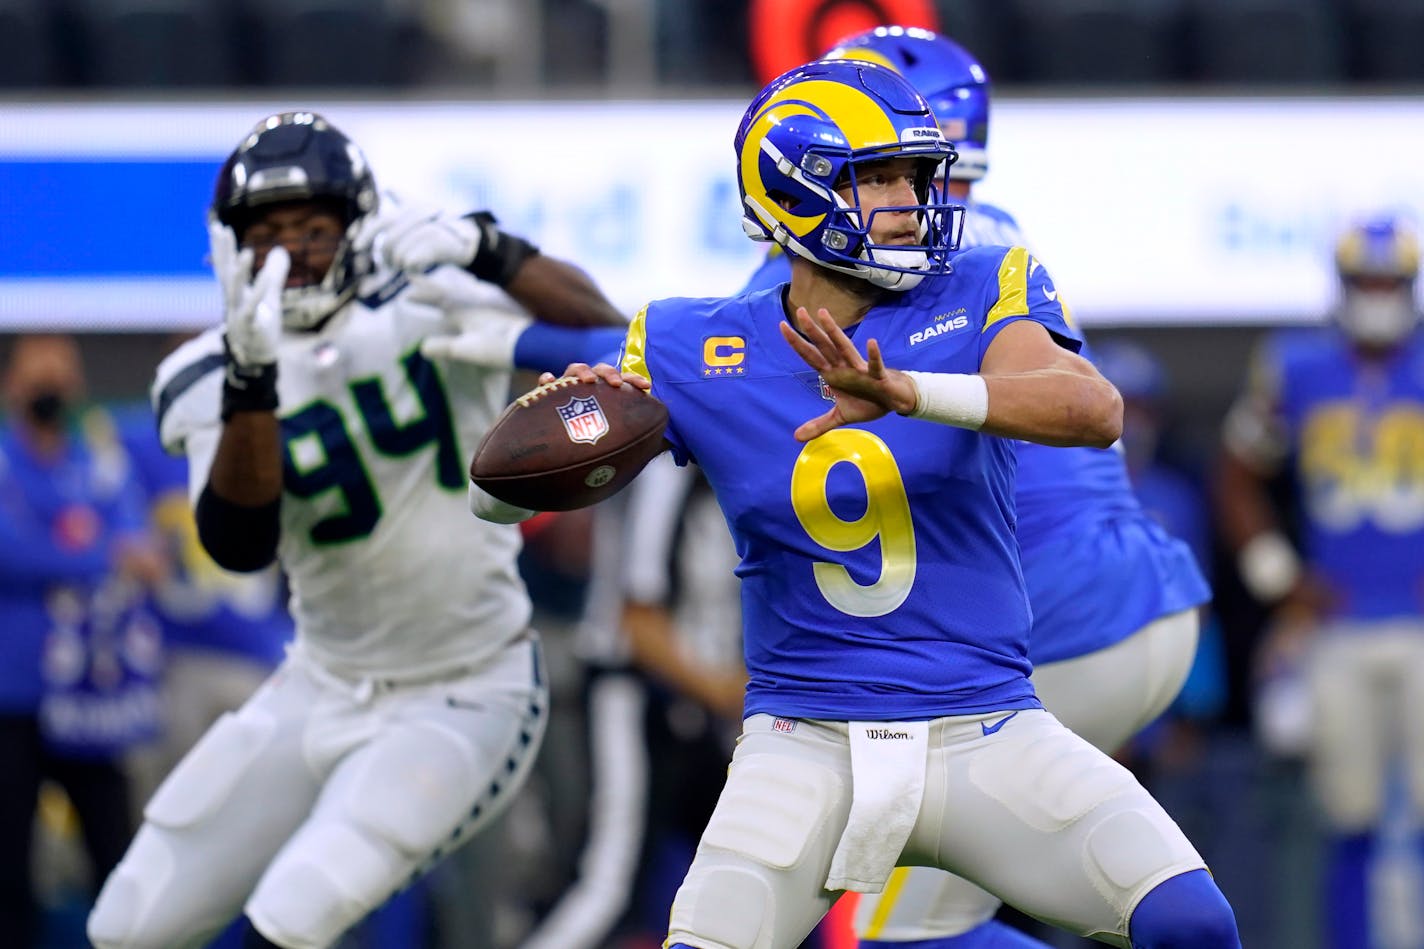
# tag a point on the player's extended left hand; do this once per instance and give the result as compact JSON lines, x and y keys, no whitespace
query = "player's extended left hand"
{"x":864,"y":387}
{"x":415,"y":238}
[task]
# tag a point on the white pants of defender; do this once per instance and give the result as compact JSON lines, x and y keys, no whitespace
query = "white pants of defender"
{"x":1030,"y":812}
{"x":1367,"y":690}
{"x":319,"y":798}
{"x":1105,"y":697}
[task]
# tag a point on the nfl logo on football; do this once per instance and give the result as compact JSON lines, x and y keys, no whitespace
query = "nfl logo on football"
{"x":584,"y":420}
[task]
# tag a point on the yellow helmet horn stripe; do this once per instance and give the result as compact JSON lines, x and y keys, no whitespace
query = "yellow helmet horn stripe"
{"x":856,"y":114}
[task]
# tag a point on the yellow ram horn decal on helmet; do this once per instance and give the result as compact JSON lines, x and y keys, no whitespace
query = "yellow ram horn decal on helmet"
{"x":859,"y":118}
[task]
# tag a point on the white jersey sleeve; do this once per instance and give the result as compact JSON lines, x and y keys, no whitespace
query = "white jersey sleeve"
{"x":187,"y":403}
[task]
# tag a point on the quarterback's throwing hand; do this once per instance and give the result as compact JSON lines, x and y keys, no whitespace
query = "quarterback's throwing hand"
{"x":864,"y":387}
{"x":252,"y":306}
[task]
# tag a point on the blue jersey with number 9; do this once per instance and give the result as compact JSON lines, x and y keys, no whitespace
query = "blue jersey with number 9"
{"x":880,"y":574}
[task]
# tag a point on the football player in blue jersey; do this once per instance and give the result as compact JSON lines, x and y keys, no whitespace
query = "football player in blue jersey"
{"x":1340,"y":409}
{"x":1114,"y":596}
{"x":889,"y":714}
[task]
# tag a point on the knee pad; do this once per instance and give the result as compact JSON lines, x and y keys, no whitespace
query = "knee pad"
{"x":325,"y":884}
{"x":766,"y":846}
{"x":113,"y":921}
{"x":123,"y":915}
{"x":737,"y":911}
{"x":1187,"y":911}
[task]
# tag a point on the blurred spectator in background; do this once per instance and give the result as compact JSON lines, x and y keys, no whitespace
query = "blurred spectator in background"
{"x":1341,"y":410}
{"x":78,"y":654}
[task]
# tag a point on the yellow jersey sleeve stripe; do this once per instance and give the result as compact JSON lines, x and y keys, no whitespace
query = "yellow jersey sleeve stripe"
{"x":1013,"y":287}
{"x":635,"y":346}
{"x":888,"y":898}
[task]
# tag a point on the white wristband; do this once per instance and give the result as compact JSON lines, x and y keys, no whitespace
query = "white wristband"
{"x":487,"y":507}
{"x":1268,"y":566}
{"x":950,"y":398}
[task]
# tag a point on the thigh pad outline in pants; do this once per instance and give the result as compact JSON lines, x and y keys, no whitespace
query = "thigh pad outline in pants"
{"x":209,"y":829}
{"x":389,"y":811}
{"x":1058,"y":829}
{"x":756,"y":882}
{"x":1105,"y":697}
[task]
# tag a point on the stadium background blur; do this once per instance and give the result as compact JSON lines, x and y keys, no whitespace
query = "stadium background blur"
{"x":1271,"y":122}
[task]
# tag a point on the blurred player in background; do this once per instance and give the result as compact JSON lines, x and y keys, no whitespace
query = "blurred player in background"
{"x":411,"y":704}
{"x":1341,"y":410}
{"x":889,"y":713}
{"x":80,"y":655}
{"x":1114,"y":596}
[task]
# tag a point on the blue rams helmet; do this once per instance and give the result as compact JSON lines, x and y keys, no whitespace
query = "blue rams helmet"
{"x":299,"y":156}
{"x":803,"y":136}
{"x":1377,"y":261}
{"x":946,"y":74}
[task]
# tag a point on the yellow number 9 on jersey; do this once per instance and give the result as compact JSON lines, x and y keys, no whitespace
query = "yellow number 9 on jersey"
{"x":887,"y":517}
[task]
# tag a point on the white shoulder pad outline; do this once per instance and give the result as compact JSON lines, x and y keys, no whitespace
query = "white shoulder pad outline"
{"x":187,"y":389}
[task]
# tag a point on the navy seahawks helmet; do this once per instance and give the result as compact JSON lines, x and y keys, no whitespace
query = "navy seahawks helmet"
{"x":946,"y":74}
{"x":1377,"y":261}
{"x":804,"y":135}
{"x":297,"y":156}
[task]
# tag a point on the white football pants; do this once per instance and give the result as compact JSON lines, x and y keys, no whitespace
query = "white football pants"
{"x":1105,"y":697}
{"x":1028,"y":811}
{"x":321,"y":797}
{"x":1367,"y":691}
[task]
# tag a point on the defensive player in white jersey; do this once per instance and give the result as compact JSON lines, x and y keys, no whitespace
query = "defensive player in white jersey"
{"x":411,"y":704}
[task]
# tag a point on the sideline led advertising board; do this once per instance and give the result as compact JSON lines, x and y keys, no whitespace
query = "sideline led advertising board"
{"x":1183,"y":211}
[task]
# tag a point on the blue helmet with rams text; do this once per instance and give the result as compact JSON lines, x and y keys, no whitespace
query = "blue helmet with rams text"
{"x":803,"y":137}
{"x":1377,"y":260}
{"x":946,"y":74}
{"x":299,"y":156}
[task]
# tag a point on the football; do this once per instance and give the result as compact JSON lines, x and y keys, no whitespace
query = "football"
{"x":568,"y":444}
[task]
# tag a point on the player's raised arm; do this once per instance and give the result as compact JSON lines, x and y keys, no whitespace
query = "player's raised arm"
{"x":414,"y":239}
{"x":238,"y":509}
{"x":1028,"y":387}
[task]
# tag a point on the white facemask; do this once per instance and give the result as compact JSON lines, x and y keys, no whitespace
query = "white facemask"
{"x":1378,"y":317}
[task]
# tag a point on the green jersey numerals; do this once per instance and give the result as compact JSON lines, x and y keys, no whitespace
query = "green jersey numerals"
{"x":319,"y":454}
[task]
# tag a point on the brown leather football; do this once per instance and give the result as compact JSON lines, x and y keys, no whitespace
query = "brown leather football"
{"x":568,"y":444}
